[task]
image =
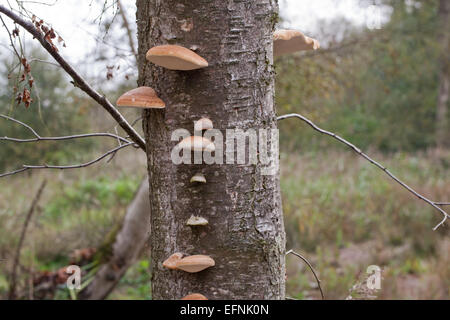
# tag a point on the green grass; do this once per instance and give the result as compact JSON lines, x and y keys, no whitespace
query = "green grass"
{"x":340,"y":212}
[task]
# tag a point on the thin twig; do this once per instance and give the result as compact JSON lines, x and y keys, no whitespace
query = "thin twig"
{"x":10,"y":39}
{"x":71,"y":137}
{"x":12,"y":288}
{"x":21,"y":123}
{"x":127,"y":28}
{"x":78,"y":80}
{"x":75,"y":166}
{"x":310,"y":267}
{"x":365,"y":156}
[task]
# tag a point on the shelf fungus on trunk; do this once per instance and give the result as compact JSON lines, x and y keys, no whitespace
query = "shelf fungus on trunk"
{"x":142,"y":97}
{"x":194,"y":296}
{"x":198,"y":178}
{"x":195,"y":263}
{"x":175,"y":57}
{"x":203,"y":124}
{"x":171,"y":262}
{"x":196,"y":143}
{"x":290,"y":41}
{"x":195,"y":221}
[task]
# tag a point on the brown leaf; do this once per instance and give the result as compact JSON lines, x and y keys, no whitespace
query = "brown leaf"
{"x":15,"y":32}
{"x":52,"y":34}
{"x":19,"y":98}
{"x":26,"y":65}
{"x":26,"y":97}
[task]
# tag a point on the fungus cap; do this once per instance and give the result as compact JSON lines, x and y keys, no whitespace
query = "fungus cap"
{"x":171,"y":262}
{"x":203,"y":124}
{"x":196,"y":143}
{"x":142,"y":97}
{"x":175,"y":58}
{"x":198,"y":177}
{"x":195,"y":263}
{"x":195,"y":296}
{"x":290,"y":41}
{"x":195,"y":221}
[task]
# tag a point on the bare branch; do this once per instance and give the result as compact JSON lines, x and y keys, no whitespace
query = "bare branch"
{"x":78,"y":81}
{"x":127,"y":27}
{"x":310,"y":267}
{"x":21,"y":123}
{"x":365,"y":156}
{"x":12,"y":288}
{"x":10,"y":38}
{"x":26,"y":167}
{"x":71,"y":137}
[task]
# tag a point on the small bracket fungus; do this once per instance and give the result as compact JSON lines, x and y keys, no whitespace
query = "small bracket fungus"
{"x":195,"y":296}
{"x":171,"y":262}
{"x":196,"y":143}
{"x":199,"y":178}
{"x":142,"y":97}
{"x":203,"y":124}
{"x":195,"y":221}
{"x":175,"y":58}
{"x":290,"y":41}
{"x":195,"y":263}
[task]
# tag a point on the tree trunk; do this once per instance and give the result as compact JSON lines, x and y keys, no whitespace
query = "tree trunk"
{"x":126,"y":248}
{"x":443,"y":130}
{"x":245,"y":235}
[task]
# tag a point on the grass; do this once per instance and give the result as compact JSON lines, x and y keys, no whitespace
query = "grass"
{"x":340,"y":212}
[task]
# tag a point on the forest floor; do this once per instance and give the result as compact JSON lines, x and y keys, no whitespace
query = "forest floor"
{"x":340,"y":212}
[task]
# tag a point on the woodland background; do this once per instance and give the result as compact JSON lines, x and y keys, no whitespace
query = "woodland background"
{"x":376,"y":88}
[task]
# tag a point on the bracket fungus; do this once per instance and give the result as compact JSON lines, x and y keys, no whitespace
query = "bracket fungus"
{"x":197,"y":143}
{"x":195,"y":263}
{"x":142,"y":97}
{"x":199,"y":178}
{"x":175,"y":58}
{"x":290,"y":41}
{"x":195,"y":296}
{"x":171,"y":262}
{"x":203,"y":124}
{"x":195,"y":221}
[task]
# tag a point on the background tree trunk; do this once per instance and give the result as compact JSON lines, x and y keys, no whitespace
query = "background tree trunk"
{"x":443,"y":130}
{"x":245,"y":235}
{"x":127,"y":246}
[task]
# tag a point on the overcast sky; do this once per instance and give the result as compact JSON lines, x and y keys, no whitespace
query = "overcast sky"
{"x":70,"y":17}
{"x":73,"y":19}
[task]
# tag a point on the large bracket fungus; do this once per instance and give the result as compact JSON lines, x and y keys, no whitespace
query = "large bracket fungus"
{"x":191,"y":264}
{"x":290,"y":41}
{"x":142,"y":97}
{"x":175,"y":58}
{"x":195,"y":263}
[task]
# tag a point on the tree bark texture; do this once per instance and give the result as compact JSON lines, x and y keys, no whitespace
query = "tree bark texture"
{"x":245,"y":235}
